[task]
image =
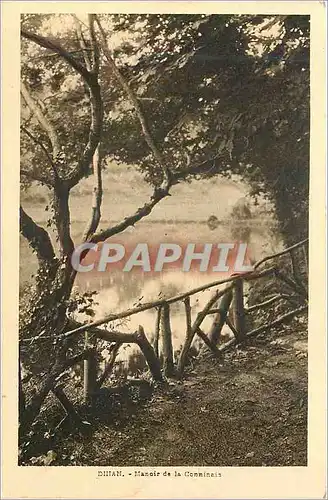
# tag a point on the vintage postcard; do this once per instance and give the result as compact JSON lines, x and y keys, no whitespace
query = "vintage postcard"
{"x":163,"y":249}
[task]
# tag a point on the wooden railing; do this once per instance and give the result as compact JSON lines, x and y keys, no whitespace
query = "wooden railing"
{"x":227,"y":305}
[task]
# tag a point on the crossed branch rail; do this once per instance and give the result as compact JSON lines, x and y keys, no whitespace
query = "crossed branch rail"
{"x":232,"y":297}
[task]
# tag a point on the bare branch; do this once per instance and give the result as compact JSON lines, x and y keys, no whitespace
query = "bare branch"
{"x":61,"y":208}
{"x":60,"y":205}
{"x":264,"y":303}
{"x":91,"y":58}
{"x":267,"y":326}
{"x":51,"y":55}
{"x":96,"y":198}
{"x":136,"y":104}
{"x":94,"y":44}
{"x":37,"y":237}
{"x":142,"y":212}
{"x":109,"y":366}
{"x":82,"y":43}
{"x":58,"y":49}
{"x":94,"y":135}
{"x":46,"y":152}
{"x":279,"y":254}
{"x":294,"y":286}
{"x":114,"y":336}
{"x":91,"y":79}
{"x":39,"y":143}
{"x":208,"y":342}
{"x":151,"y":99}
{"x":62,"y":188}
{"x":98,"y":333}
{"x":42,"y":119}
{"x":150,"y":305}
{"x":196,"y":325}
{"x":48,"y":128}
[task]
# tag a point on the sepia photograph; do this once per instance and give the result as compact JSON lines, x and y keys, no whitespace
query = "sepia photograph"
{"x":174,"y":146}
{"x":164,"y":252}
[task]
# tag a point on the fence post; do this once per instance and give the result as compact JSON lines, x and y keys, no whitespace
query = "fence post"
{"x":157,"y":330}
{"x":89,"y":372}
{"x":168,"y":365}
{"x":67,"y":405}
{"x":188,"y":315}
{"x":198,"y":321}
{"x":239,"y":310}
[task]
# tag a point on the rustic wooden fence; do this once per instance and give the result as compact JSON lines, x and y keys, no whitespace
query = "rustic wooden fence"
{"x":226,"y":305}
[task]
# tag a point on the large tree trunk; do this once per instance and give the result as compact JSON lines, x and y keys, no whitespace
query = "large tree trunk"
{"x":45,"y":318}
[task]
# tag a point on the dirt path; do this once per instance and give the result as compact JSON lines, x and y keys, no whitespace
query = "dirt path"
{"x":250,"y":411}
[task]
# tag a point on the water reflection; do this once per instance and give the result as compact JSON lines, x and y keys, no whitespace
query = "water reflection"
{"x":118,"y":291}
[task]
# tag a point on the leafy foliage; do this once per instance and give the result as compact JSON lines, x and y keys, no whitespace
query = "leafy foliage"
{"x":234,"y":89}
{"x":186,"y":95}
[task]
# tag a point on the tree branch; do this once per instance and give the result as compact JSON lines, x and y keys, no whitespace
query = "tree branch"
{"x":263,"y":328}
{"x":37,"y":237}
{"x":96,"y":108}
{"x":62,"y":188}
{"x":136,"y":104}
{"x":204,"y":167}
{"x":279,"y":254}
{"x":94,"y":45}
{"x":109,"y":365}
{"x":157,"y":303}
{"x":34,"y":176}
{"x":96,"y":198}
{"x":58,"y":49}
{"x":62,"y":218}
{"x":82,"y":43}
{"x":46,"y":152}
{"x":157,"y":196}
{"x":91,"y":79}
{"x":91,"y":59}
{"x":42,"y":119}
{"x":142,"y":212}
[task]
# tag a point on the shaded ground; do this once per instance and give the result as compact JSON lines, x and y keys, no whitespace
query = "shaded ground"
{"x":251,"y":411}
